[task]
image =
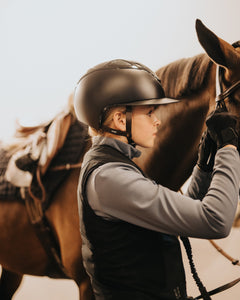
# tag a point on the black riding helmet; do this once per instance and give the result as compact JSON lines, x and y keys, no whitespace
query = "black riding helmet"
{"x":116,"y":83}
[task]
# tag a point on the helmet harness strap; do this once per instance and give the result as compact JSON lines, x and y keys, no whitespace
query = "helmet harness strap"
{"x":128,"y":132}
{"x":129,"y":125}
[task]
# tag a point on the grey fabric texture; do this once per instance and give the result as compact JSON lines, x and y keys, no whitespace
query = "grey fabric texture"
{"x":120,"y":191}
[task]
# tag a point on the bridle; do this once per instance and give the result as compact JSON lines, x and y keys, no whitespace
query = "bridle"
{"x":223,"y":95}
{"x":220,"y":104}
{"x":220,"y":94}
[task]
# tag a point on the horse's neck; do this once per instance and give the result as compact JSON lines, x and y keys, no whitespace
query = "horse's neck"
{"x":174,"y":155}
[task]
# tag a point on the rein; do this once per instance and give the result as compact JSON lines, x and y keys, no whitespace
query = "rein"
{"x":220,"y":104}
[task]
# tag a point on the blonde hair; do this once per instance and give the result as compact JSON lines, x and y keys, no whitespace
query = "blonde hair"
{"x":108,"y":117}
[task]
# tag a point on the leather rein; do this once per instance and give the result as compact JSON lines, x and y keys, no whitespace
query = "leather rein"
{"x":220,"y":103}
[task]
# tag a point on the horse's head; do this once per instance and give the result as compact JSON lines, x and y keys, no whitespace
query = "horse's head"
{"x":191,"y":80}
{"x":227,"y":58}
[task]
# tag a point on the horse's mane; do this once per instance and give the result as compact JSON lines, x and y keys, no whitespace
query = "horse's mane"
{"x":184,"y":76}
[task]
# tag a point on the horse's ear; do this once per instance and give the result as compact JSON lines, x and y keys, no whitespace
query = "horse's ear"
{"x":217,"y":49}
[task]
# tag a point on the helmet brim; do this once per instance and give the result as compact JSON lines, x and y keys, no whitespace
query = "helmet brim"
{"x":160,"y":101}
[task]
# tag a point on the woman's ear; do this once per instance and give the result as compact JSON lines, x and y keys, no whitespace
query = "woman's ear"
{"x":119,"y":120}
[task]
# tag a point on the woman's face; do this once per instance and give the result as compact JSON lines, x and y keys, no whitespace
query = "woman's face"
{"x":144,"y":125}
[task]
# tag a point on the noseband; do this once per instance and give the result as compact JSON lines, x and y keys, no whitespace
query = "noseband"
{"x":220,"y":94}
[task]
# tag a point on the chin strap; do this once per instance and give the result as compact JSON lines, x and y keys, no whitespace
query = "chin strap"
{"x":129,"y":126}
{"x":128,"y":132}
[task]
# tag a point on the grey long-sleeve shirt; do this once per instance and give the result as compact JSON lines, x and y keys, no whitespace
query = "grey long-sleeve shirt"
{"x":120,"y":191}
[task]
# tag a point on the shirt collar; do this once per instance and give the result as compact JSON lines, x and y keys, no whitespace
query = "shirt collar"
{"x":125,"y":148}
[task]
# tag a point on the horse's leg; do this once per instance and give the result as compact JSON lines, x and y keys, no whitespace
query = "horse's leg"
{"x":21,"y":251}
{"x":9,"y":283}
{"x":63,"y":217}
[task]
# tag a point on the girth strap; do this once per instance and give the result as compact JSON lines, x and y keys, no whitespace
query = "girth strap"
{"x":46,"y":237}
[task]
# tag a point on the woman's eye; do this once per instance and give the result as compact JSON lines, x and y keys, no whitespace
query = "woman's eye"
{"x":150,"y":113}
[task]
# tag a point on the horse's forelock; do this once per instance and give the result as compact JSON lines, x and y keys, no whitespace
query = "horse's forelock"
{"x":184,"y":76}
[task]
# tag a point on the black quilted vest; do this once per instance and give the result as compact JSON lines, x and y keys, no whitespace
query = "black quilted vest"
{"x":127,"y":261}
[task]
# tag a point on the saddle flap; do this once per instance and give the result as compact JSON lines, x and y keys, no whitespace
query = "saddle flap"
{"x":38,"y":150}
{"x":55,"y":138}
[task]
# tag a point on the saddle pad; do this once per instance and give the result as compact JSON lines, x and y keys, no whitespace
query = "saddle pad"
{"x":71,"y":152}
{"x":7,"y":190}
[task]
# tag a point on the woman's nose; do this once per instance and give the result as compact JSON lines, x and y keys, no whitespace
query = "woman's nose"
{"x":157,"y":122}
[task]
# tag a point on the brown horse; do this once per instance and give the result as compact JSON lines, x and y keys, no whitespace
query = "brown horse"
{"x":169,"y":163}
{"x":193,"y":80}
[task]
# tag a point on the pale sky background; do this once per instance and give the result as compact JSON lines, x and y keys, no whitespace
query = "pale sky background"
{"x":47,"y":45}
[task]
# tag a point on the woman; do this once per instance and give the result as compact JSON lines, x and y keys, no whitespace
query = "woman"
{"x":129,"y":224}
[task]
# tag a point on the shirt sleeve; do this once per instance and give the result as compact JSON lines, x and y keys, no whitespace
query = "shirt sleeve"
{"x":120,"y":191}
{"x":199,"y":184}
